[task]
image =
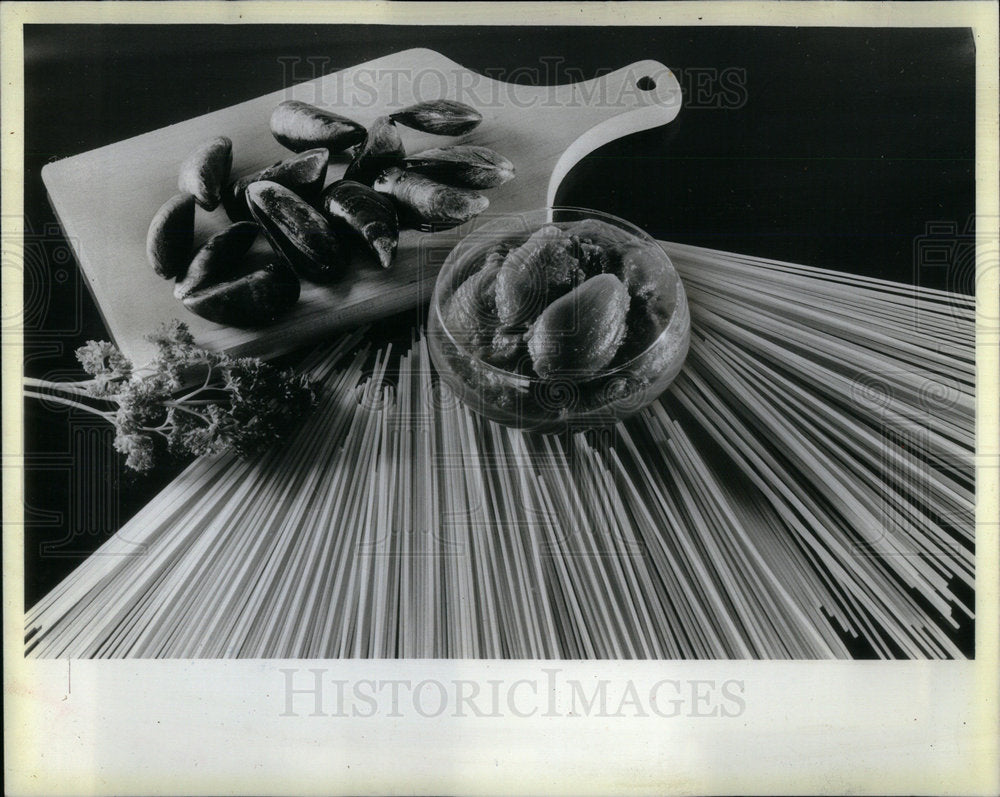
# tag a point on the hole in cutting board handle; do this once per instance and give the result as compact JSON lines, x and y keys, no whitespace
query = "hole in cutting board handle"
{"x":646,"y":83}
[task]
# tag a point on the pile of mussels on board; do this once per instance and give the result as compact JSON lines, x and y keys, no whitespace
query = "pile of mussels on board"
{"x":312,"y":229}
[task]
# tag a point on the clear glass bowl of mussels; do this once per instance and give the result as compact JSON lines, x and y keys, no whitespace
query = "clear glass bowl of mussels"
{"x":558,"y":318}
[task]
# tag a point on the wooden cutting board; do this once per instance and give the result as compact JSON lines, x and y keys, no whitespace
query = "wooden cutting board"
{"x":105,"y":198}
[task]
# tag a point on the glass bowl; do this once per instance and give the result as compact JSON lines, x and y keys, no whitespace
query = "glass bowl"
{"x":558,"y":318}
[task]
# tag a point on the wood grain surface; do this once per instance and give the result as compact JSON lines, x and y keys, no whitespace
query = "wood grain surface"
{"x":105,"y":198}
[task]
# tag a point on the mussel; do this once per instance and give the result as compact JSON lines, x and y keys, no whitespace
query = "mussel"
{"x":425,"y":202}
{"x":171,"y":236}
{"x":249,"y":300}
{"x":381,"y":149}
{"x":463,"y":165}
{"x":442,"y":117}
{"x":536,"y":273}
{"x":219,"y":258}
{"x":304,"y":174}
{"x":297,"y":232}
{"x":368,"y":213}
{"x":205,"y":171}
{"x":470,"y":314}
{"x":579,"y":333}
{"x":300,"y":126}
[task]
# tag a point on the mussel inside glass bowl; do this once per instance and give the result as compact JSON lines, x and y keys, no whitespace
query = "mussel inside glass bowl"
{"x":558,"y":318}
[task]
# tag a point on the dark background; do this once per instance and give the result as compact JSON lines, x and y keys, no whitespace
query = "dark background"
{"x":829,"y":147}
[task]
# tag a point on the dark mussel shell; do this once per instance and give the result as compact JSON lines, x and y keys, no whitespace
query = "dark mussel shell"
{"x":297,"y":232}
{"x":205,"y":171}
{"x":252,"y":300}
{"x":300,"y":126}
{"x":464,"y":165}
{"x":368,"y":213}
{"x":441,"y":117}
{"x":382,"y":148}
{"x":219,"y":258}
{"x":304,"y":174}
{"x":171,"y":236}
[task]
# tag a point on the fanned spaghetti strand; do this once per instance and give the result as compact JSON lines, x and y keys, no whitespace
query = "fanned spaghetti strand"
{"x":804,"y":490}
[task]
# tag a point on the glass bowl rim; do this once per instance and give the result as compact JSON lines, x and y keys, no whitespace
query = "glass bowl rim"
{"x":676,"y":317}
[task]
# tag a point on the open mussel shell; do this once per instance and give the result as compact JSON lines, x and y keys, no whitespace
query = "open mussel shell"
{"x":463,"y":165}
{"x":219,"y":258}
{"x":206,"y":170}
{"x":424,"y":202}
{"x":304,"y":174}
{"x":300,"y":126}
{"x":368,"y":213}
{"x":382,"y":148}
{"x":297,"y":232}
{"x":250,"y":300}
{"x":441,"y":117}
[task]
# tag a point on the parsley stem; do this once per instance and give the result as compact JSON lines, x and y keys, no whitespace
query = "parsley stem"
{"x":204,"y":386}
{"x":77,"y":388}
{"x":68,"y":402}
{"x":187,"y":409}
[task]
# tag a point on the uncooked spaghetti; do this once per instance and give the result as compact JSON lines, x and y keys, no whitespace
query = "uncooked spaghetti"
{"x":804,"y":490}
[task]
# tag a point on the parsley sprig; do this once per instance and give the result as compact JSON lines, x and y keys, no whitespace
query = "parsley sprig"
{"x":240,"y":404}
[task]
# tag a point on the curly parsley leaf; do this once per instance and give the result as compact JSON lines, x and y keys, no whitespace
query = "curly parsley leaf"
{"x":242,"y":405}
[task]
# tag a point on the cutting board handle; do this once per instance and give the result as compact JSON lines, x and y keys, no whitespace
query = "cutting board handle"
{"x":641,"y":96}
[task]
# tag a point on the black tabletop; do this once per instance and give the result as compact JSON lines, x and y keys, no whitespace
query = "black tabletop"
{"x":849,"y":149}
